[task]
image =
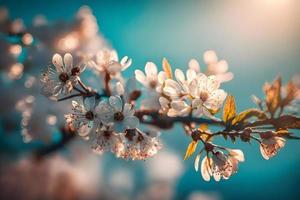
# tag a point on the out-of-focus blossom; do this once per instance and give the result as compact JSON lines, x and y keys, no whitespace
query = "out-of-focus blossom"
{"x":107,"y":62}
{"x":216,"y":67}
{"x":166,"y":166}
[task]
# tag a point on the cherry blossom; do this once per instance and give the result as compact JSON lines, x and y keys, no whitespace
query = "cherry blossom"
{"x":61,"y":76}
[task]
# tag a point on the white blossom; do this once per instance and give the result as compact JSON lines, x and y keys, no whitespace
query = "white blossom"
{"x":117,"y":114}
{"x":107,"y":61}
{"x":84,"y":118}
{"x":61,"y":76}
{"x":197,"y":94}
{"x":221,"y":165}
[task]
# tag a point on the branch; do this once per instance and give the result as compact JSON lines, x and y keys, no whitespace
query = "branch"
{"x":163,"y":121}
{"x":67,"y":135}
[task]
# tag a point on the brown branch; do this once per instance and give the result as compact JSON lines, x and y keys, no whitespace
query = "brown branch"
{"x":163,"y":121}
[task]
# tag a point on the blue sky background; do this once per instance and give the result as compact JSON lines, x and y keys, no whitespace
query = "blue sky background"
{"x":259,"y":39}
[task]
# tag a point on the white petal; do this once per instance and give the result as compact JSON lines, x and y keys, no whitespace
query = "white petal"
{"x":190,"y":75}
{"x":118,"y":89}
{"x":128,"y":111}
{"x":150,"y":69}
{"x":210,"y":57}
{"x":179,"y":76}
{"x":237,"y":154}
{"x":114,"y":56}
{"x":204,"y":169}
{"x":58,"y":62}
{"x":197,"y":160}
{"x":105,"y":112}
{"x":140,"y":76}
{"x":131,"y":122}
{"x":172,"y":112}
{"x":89,"y":103}
{"x":68,"y":60}
{"x":162,"y":77}
{"x":116,"y":102}
{"x":164,"y":102}
{"x":179,"y":105}
{"x":194,"y":65}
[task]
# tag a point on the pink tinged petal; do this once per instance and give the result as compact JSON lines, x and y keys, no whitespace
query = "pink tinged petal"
{"x":225,"y":77}
{"x":131,"y":122}
{"x":190,"y":75}
{"x":114,"y":56}
{"x":210,"y":57}
{"x":194,"y":65}
{"x":116,"y":102}
{"x":150,"y":69}
{"x":212,"y":83}
{"x":58,"y":62}
{"x":125,"y":62}
{"x":222,"y":67}
{"x":263,"y":153}
{"x":205,"y":172}
{"x":162,"y":77}
{"x":237,"y":154}
{"x":140,"y":76}
{"x":68,"y":60}
{"x":179,"y":76}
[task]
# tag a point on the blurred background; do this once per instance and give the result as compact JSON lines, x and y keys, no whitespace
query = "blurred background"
{"x":260,"y":39}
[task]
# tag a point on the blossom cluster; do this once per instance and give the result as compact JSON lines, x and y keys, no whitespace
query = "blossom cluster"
{"x":110,"y":119}
{"x":110,"y":123}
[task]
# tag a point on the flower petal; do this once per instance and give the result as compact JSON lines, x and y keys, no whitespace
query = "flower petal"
{"x":131,"y":122}
{"x":140,"y":76}
{"x":150,"y":69}
{"x":68,"y":60}
{"x":58,"y":62}
{"x":116,"y":102}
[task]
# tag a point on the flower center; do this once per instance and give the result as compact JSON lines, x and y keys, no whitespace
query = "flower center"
{"x":118,"y":116}
{"x":203,"y":96}
{"x":89,"y":115}
{"x":152,"y":84}
{"x":107,"y":134}
{"x":75,"y":71}
{"x":63,"y":77}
